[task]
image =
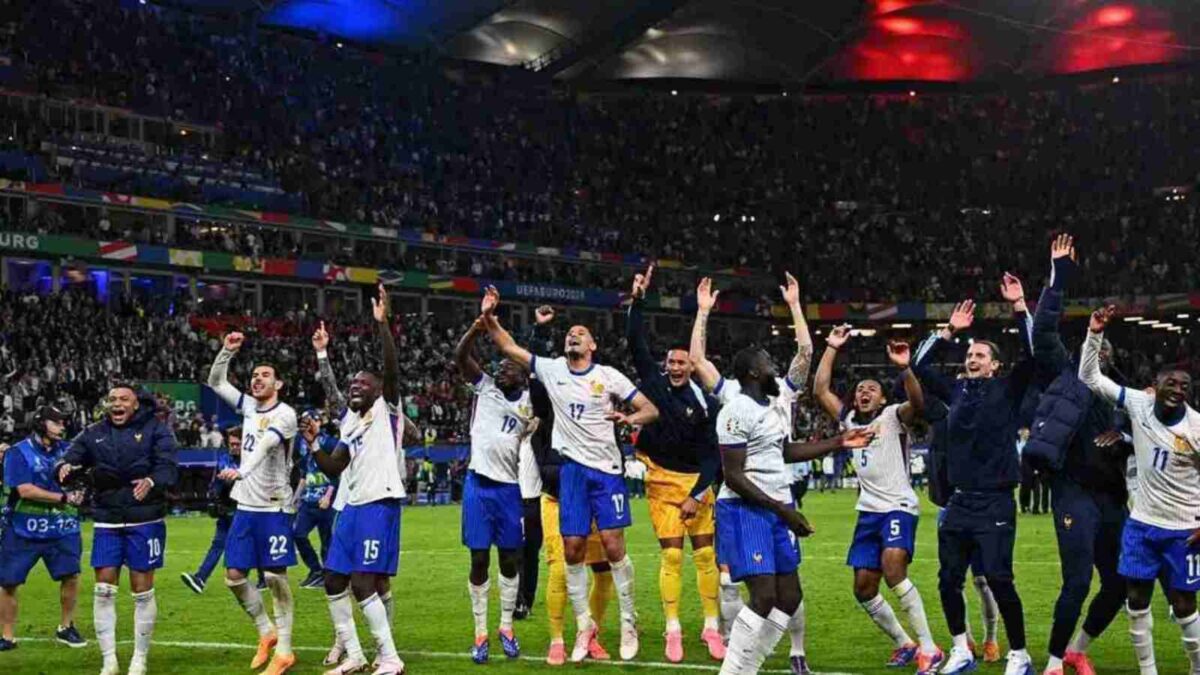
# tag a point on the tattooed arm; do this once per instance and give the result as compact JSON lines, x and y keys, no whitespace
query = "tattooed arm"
{"x":801,"y":364}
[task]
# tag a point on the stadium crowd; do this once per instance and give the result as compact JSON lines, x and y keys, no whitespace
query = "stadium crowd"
{"x":356,"y":136}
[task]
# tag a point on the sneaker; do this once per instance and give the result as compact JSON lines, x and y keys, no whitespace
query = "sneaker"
{"x":557,"y":655}
{"x":521,"y":612}
{"x":1019,"y":663}
{"x":903,"y":656}
{"x":390,"y":667}
{"x":973,"y":647}
{"x":583,"y":644}
{"x":480,"y":650}
{"x":280,"y":664}
{"x":335,"y":655}
{"x":7,"y":645}
{"x":265,"y":644}
{"x":1080,"y":662}
{"x":960,"y":661}
{"x":194,"y":583}
{"x":927,"y":664}
{"x":595,"y":650}
{"x":799,"y":664}
{"x":991,"y":651}
{"x":1053,"y":671}
{"x":136,"y":668}
{"x":314,"y":580}
{"x":70,"y":637}
{"x":508,"y":642}
{"x":629,"y":641}
{"x":349,"y":666}
{"x":674,"y":646}
{"x":716,"y":645}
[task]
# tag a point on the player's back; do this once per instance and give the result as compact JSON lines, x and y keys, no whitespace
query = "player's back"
{"x":882,"y":467}
{"x":268,"y":486}
{"x":762,"y":429}
{"x":498,"y":423}
{"x":1168,"y":481}
{"x":374,"y":470}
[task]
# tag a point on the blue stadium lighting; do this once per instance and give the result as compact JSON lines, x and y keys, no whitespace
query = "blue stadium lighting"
{"x":359,"y":20}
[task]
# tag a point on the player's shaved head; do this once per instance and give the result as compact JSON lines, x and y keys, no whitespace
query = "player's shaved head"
{"x":753,"y":369}
{"x":510,"y":376}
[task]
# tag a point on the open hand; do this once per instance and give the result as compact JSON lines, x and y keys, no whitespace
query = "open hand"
{"x":1108,"y":439}
{"x":491,"y":300}
{"x":857,"y":438}
{"x":1063,"y":246}
{"x":381,"y":305}
{"x":1011,"y":289}
{"x":963,"y":316}
{"x":706,"y":297}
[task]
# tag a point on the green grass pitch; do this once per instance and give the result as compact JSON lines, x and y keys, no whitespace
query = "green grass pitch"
{"x":210,"y":634}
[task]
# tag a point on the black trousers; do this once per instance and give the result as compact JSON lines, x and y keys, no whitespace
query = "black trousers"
{"x":532,"y":518}
{"x":1088,"y":527}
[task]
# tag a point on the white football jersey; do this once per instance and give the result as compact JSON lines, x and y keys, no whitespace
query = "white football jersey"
{"x":374,"y":472}
{"x":762,"y":429}
{"x":727,"y":390}
{"x":530,"y":475}
{"x":1168,"y":468}
{"x":498,"y":424}
{"x":265,"y":484}
{"x":882,"y":466}
{"x":581,"y":402}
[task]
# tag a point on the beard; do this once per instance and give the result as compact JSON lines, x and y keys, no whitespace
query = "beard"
{"x":770,"y":386}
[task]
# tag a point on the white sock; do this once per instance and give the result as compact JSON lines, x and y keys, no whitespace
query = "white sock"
{"x":479,"y":605}
{"x":914,"y":608}
{"x":1190,"y":626}
{"x":1024,"y":655}
{"x":285,"y":608}
{"x":377,"y":622}
{"x":509,"y":586}
{"x":989,"y":609}
{"x":962,"y":642}
{"x":769,"y":634}
{"x":577,"y":591}
{"x":622,"y":572}
{"x":386,"y":598}
{"x":341,"y":610}
{"x":731,"y":603}
{"x":1141,"y":632}
{"x":104,"y":616}
{"x":796,"y":626}
{"x":712,"y":623}
{"x":1053,"y":662}
{"x":251,"y":600}
{"x":743,"y":637}
{"x":883,"y":616}
{"x":1080,"y":642}
{"x":145,"y":615}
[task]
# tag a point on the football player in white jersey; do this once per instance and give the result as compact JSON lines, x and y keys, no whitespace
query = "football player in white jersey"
{"x":592,"y":485}
{"x":725,"y":390}
{"x":757,"y":522}
{"x":260,"y":536}
{"x":886,"y":533}
{"x":1163,"y":530}
{"x":366,"y":535}
{"x":492,"y":506}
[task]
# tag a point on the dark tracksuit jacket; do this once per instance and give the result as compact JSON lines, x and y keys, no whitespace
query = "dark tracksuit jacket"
{"x":982,"y":466}
{"x":684,"y":439}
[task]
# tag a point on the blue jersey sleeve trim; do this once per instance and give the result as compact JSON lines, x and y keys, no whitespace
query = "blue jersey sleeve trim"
{"x":1121,"y":399}
{"x":279,"y":433}
{"x":720,"y":385}
{"x":732,"y":446}
{"x":791,"y":385}
{"x":241,"y":400}
{"x":479,"y":378}
{"x":631,"y":395}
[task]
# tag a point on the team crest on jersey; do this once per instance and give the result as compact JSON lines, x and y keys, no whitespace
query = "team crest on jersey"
{"x":758,"y":558}
{"x":1068,"y":521}
{"x":366,"y":419}
{"x":1182,"y":445}
{"x":137,"y":438}
{"x":525,"y":410}
{"x":597,"y":388}
{"x":263,"y":423}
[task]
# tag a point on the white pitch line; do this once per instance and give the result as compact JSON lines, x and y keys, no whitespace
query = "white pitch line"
{"x":442,"y":655}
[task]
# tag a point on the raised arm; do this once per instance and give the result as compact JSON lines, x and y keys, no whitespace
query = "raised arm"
{"x":505,"y":343}
{"x":381,"y":309}
{"x":1048,"y":348}
{"x":218,"y":375}
{"x":334,"y":398}
{"x":830,"y":402}
{"x":1089,"y":361}
{"x":805,"y":452}
{"x":912,"y":409}
{"x":1013,"y":292}
{"x":801,"y":363}
{"x":706,"y":373}
{"x":932,"y":349}
{"x":464,"y":352}
{"x":635,"y":329}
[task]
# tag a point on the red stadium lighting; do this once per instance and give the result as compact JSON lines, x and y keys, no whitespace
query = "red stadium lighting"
{"x":900,"y":25}
{"x":1114,"y":15}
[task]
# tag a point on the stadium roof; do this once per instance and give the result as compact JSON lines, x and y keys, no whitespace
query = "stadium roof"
{"x":768,"y":41}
